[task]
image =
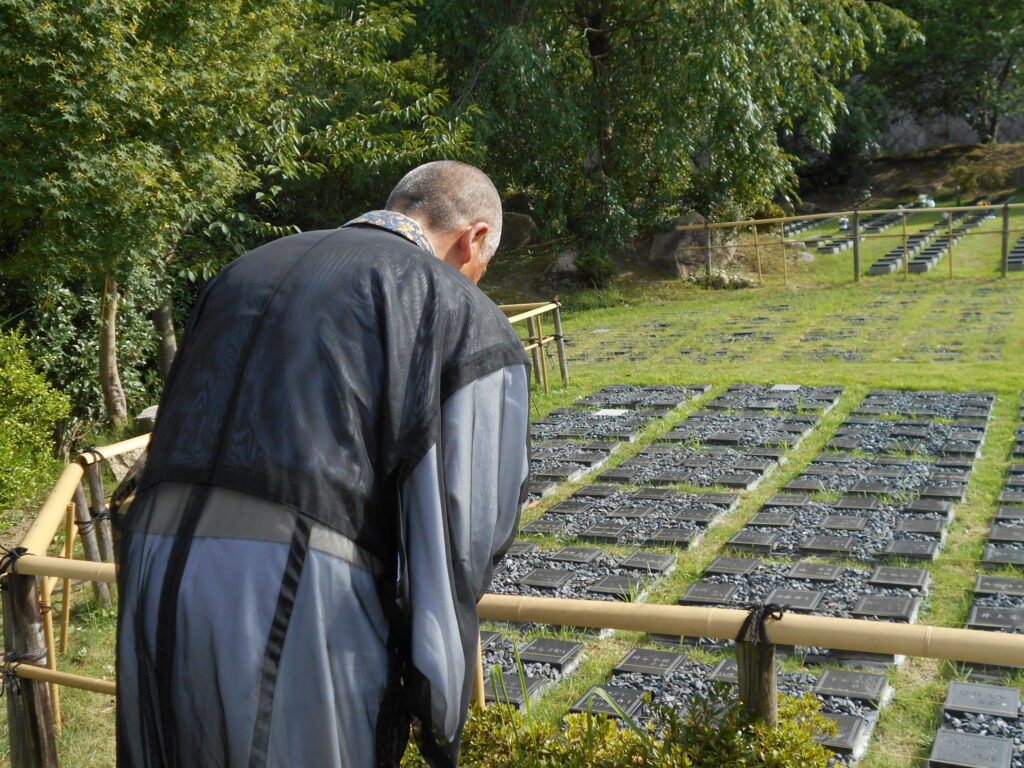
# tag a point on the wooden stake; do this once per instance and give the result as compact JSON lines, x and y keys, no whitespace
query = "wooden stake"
{"x":856,"y":246}
{"x":540,"y":351}
{"x":531,"y":326}
{"x":29,"y":714}
{"x":950,"y":245}
{"x":479,"y":698}
{"x":1006,"y":239}
{"x":556,"y":315}
{"x":65,"y":603}
{"x":782,"y":246}
{"x":757,"y":252}
{"x":98,"y":497}
{"x":51,"y":650}
{"x":759,"y":692}
{"x":89,"y":545}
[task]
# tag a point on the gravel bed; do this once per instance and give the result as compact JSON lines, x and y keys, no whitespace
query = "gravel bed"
{"x":612,"y":423}
{"x":643,"y":517}
{"x":632,"y":396}
{"x":501,"y":654}
{"x":705,"y":467}
{"x":785,"y":398}
{"x":581,"y":575}
{"x":923,"y":437}
{"x":741,"y":429}
{"x":899,"y":476}
{"x":942,"y":405}
{"x":880,"y":527}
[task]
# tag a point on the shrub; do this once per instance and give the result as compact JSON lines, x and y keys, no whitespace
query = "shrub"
{"x":29,"y":409}
{"x":714,"y":733}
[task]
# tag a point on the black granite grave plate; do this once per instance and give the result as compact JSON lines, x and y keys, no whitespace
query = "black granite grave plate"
{"x":543,"y":526}
{"x":788,"y":500}
{"x":995,"y":556}
{"x":844,"y":522}
{"x":902,"y":578}
{"x":622,"y":587}
{"x":830,"y":544}
{"x":672,"y":537}
{"x":546,"y":578}
{"x":987,"y":699}
{"x":753,"y":541}
{"x":781,"y":519}
{"x":609,"y":532}
{"x":795,"y":599}
{"x":863,"y":686}
{"x":968,"y":750}
{"x":1010,"y":513}
{"x":564,"y":655}
{"x":649,"y":662}
{"x":815,"y":571}
{"x":488,"y":638}
{"x":1006,"y":533}
{"x":576,"y":555}
{"x":995,"y":585}
{"x":627,"y":698}
{"x":570,"y":507}
{"x":884,"y":606}
{"x":540,"y":488}
{"x":926,"y":526}
{"x":993,"y":617}
{"x":628,"y":512}
{"x":596,"y":491}
{"x":704,"y":592}
{"x":510,"y":689}
{"x":915,"y":549}
{"x":850,"y":736}
{"x":649,"y":562}
{"x":856,"y":502}
{"x":726,"y":671}
{"x":738,"y":565}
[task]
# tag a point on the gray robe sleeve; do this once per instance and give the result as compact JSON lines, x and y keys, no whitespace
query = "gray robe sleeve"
{"x":461,"y":509}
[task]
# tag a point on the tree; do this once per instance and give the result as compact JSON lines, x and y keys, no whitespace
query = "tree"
{"x":969,"y":64}
{"x":131,"y":129}
{"x":618,"y":113}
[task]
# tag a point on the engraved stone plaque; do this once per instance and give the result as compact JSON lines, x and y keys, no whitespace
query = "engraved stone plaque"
{"x":609,"y":532}
{"x":655,"y":494}
{"x":829,"y":544}
{"x":727,"y":500}
{"x":884,"y":606}
{"x":521,"y":548}
{"x":699,"y":516}
{"x":488,"y":638}
{"x":672,"y":477}
{"x":844,"y":522}
{"x":543,"y":525}
{"x":673,"y":537}
{"x":788,"y":500}
{"x":649,"y":662}
{"x":852,"y":729}
{"x":708,"y":592}
{"x":570,"y":507}
{"x":992,"y":617}
{"x":628,"y":512}
{"x":745,"y":480}
{"x":754,"y":541}
{"x":779,"y":519}
{"x":726,"y":671}
{"x":815,"y":571}
{"x":576,"y":555}
{"x":1006,"y":533}
{"x":863,"y":686}
{"x":733,"y":565}
{"x":806,"y":483}
{"x":622,"y":587}
{"x":903,"y":578}
{"x":1002,"y":556}
{"x":915,"y":549}
{"x":620,"y":475}
{"x":856,"y":502}
{"x":510,"y":689}
{"x":627,"y":698}
{"x":561,"y":654}
{"x":995,"y":585}
{"x":546,"y":578}
{"x":987,"y":699}
{"x":596,"y":491}
{"x":924,"y":506}
{"x":649,"y":562}
{"x":968,"y":750}
{"x":795,"y":599}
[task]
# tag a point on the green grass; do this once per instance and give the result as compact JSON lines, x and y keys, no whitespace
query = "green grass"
{"x":925,"y":332}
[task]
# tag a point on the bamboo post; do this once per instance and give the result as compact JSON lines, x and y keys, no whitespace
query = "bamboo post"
{"x":856,"y":246}
{"x":556,"y":316}
{"x":531,"y":326}
{"x":540,"y":350}
{"x":479,"y":698}
{"x":89,"y":545}
{"x":65,"y":603}
{"x":759,"y":693}
{"x":906,"y":254}
{"x":707,"y":251}
{"x":782,"y":247}
{"x":757,"y":252}
{"x":98,"y":497}
{"x":1006,"y":238}
{"x":950,"y":246}
{"x":29,"y":714}
{"x":46,"y":582}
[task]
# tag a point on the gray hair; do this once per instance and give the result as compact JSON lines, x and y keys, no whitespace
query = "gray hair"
{"x":448,"y":195}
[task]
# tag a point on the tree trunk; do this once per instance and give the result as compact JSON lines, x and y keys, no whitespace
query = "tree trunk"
{"x":110,"y":379}
{"x":163,"y":320}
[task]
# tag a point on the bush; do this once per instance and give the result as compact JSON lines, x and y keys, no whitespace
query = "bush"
{"x":714,"y":733}
{"x":29,"y":409}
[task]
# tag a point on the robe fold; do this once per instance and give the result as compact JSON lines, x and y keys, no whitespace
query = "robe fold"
{"x":338,"y":464}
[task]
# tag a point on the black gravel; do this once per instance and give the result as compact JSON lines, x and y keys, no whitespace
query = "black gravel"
{"x":573,"y":423}
{"x":632,"y":396}
{"x":923,"y":437}
{"x":930,"y":404}
{"x":703,"y":468}
{"x":990,"y":725}
{"x":741,"y":429}
{"x":780,"y":397}
{"x":514,"y":567}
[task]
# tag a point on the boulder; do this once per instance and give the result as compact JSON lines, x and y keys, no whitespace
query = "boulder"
{"x":563,"y":272}
{"x":684,"y":253}
{"x":517,"y":230}
{"x":146,"y":420}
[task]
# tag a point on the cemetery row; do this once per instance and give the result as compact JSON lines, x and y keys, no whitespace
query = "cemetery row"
{"x":889,"y":507}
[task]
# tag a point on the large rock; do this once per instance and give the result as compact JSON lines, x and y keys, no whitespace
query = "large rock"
{"x":684,"y":253}
{"x":146,"y":420}
{"x":563,"y":271}
{"x":517,"y":231}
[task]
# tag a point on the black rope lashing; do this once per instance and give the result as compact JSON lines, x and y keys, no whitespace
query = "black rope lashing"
{"x":9,"y":560}
{"x":753,"y":629}
{"x":9,"y":680}
{"x":25,"y":657}
{"x":91,"y":450}
{"x":85,"y":526}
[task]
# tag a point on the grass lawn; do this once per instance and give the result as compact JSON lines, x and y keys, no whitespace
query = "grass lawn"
{"x":925,"y":332}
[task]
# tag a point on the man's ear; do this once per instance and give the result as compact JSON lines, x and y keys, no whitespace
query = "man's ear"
{"x":472,"y":236}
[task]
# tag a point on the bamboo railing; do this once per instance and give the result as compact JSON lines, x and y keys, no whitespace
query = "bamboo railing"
{"x":536,"y":339}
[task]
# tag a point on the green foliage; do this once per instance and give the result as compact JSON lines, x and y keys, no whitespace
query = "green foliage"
{"x":714,"y":733}
{"x":29,"y":410}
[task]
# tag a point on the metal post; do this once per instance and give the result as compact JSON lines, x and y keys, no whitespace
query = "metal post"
{"x":98,"y":497}
{"x":29,"y":714}
{"x":856,"y":246}
{"x":759,"y":694}
{"x":560,"y":345}
{"x":534,"y":348}
{"x":89,"y":545}
{"x":1006,"y":238}
{"x":906,"y":255}
{"x":757,"y":251}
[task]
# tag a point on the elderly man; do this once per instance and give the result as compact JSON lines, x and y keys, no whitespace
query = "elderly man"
{"x":338,"y":464}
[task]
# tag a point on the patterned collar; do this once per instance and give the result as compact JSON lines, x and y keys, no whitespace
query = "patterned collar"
{"x":398,"y":223}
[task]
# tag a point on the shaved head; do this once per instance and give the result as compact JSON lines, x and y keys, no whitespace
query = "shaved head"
{"x":447,"y":195}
